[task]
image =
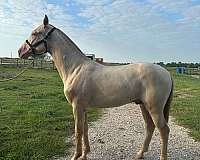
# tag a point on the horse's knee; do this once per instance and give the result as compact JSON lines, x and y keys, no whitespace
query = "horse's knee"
{"x":158,"y":120}
{"x":162,"y":126}
{"x":150,"y":130}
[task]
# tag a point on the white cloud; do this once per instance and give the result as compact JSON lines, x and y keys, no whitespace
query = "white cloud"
{"x":160,"y":27}
{"x":19,"y":18}
{"x":164,"y":28}
{"x":170,"y":6}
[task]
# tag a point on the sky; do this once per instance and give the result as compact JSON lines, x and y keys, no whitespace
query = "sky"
{"x":117,"y":30}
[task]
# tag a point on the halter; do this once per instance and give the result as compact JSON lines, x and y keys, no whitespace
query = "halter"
{"x":44,"y":40}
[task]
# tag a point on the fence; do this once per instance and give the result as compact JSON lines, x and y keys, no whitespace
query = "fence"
{"x":21,"y":63}
{"x":192,"y":71}
{"x":49,"y":64}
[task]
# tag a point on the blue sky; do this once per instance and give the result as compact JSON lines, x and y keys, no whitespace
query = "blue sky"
{"x":117,"y":30}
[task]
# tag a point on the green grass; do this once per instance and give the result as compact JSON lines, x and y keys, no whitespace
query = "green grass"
{"x":35,"y":118}
{"x":186,"y":103}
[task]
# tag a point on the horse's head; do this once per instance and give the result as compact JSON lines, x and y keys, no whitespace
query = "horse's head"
{"x":37,"y":42}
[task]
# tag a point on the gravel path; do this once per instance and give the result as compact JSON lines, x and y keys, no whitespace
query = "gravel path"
{"x":120,"y":132}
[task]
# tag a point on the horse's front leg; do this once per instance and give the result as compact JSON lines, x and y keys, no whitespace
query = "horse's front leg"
{"x":79,"y":124}
{"x":86,"y":145}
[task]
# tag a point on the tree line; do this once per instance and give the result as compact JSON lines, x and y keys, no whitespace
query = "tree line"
{"x":179,"y":64}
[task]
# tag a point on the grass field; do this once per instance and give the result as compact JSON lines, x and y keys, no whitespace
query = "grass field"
{"x":35,"y":118}
{"x":186,"y":103}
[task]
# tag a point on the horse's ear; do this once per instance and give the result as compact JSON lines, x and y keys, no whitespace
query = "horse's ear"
{"x":46,"y":20}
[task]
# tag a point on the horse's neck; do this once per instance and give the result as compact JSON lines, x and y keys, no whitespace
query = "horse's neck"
{"x":66,"y":55}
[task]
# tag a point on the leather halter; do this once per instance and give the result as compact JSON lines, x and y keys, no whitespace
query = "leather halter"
{"x":44,"y":40}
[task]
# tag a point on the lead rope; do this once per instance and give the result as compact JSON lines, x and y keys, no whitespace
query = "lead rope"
{"x":15,"y":77}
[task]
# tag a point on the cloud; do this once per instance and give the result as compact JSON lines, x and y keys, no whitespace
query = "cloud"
{"x":153,"y":28}
{"x":28,"y":14}
{"x":149,"y":30}
{"x":19,"y":18}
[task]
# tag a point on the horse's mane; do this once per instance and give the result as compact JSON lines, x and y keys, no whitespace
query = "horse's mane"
{"x":65,"y":37}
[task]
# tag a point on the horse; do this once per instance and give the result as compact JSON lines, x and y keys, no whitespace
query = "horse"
{"x":90,"y":84}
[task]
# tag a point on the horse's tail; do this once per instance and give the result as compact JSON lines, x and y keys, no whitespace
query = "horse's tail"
{"x":168,"y":103}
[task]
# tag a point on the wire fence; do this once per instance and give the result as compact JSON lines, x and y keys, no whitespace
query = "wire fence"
{"x":22,"y":63}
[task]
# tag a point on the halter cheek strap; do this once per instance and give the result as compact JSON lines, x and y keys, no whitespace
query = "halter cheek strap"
{"x":44,"y":40}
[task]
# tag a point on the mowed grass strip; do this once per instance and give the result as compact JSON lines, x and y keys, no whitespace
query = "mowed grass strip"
{"x":186,"y":103}
{"x":35,"y":118}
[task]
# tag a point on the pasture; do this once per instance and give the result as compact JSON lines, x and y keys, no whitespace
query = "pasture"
{"x":186,"y":103}
{"x":36,"y":120}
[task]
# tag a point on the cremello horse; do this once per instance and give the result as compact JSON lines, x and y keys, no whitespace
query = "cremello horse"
{"x":89,"y":84}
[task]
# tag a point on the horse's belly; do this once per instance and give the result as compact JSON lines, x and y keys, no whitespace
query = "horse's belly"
{"x":113,"y":104}
{"x":114,"y":100}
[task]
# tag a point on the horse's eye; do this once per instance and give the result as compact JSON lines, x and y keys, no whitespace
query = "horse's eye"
{"x":34,"y":33}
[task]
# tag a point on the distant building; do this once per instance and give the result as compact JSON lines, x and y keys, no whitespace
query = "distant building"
{"x":99,"y":60}
{"x":92,"y":57}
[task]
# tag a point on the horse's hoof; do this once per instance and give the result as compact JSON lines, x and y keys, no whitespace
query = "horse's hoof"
{"x":82,"y":158}
{"x":139,"y":155}
{"x":163,"y":158}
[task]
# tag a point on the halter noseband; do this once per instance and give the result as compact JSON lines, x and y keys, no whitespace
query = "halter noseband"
{"x":44,"y":40}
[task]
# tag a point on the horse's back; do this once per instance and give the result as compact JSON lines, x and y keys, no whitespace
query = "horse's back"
{"x":140,"y":81}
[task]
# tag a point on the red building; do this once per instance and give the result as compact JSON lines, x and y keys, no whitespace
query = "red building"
{"x":99,"y":60}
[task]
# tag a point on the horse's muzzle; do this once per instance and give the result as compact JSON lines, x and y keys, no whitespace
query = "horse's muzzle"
{"x":24,"y":52}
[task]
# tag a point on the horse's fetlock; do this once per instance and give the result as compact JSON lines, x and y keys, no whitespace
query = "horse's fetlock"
{"x":76,"y":156}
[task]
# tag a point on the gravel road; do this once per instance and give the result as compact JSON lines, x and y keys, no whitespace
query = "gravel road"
{"x":120,"y":132}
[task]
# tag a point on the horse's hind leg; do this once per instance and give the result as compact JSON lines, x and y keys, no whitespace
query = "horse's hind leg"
{"x":161,"y":124}
{"x":150,"y":127}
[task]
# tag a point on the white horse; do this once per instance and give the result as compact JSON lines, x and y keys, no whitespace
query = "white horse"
{"x":89,"y":84}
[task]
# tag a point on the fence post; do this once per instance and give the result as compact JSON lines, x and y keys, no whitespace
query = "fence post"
{"x":41,"y":63}
{"x":17,"y":62}
{"x":53,"y":65}
{"x":33,"y":63}
{"x":24,"y":63}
